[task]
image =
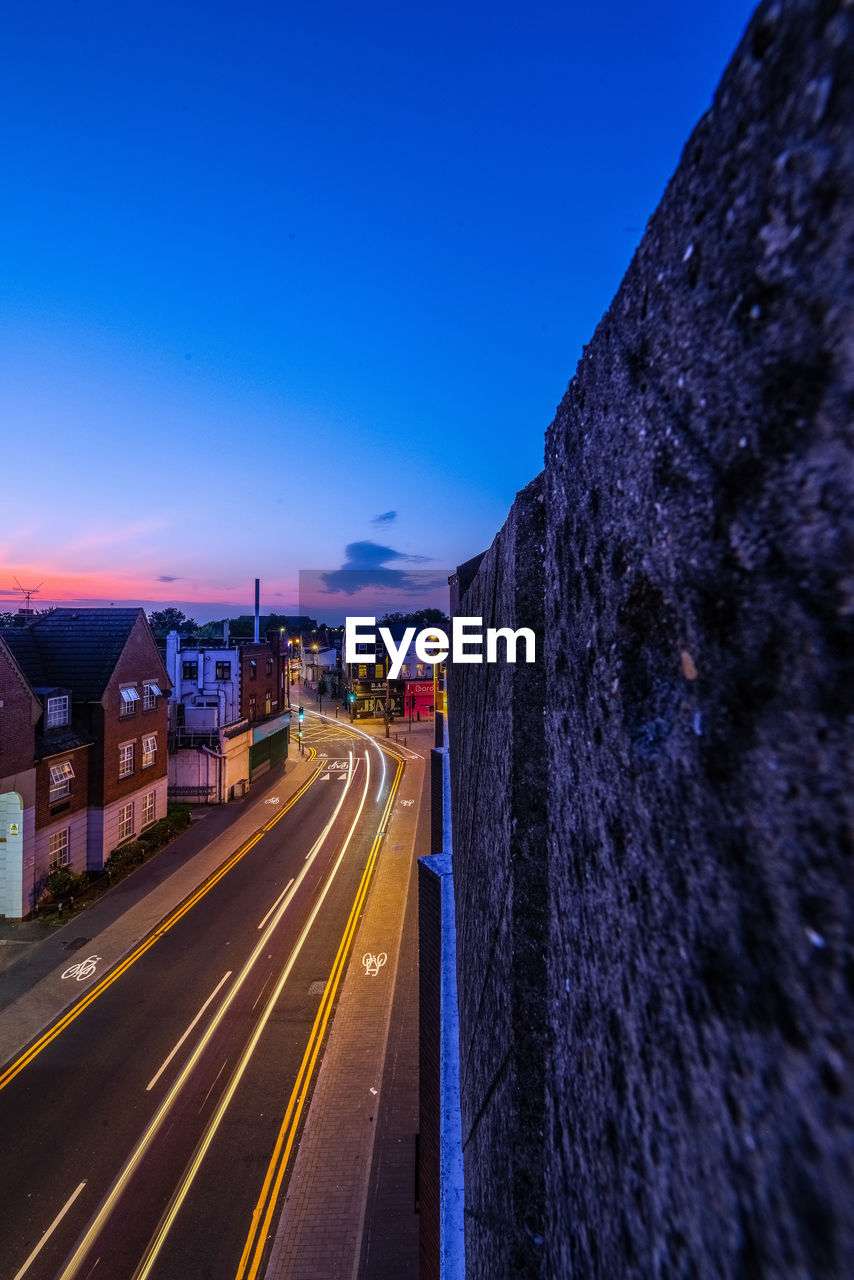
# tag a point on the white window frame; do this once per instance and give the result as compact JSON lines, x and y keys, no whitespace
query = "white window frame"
{"x":60,"y":780}
{"x":149,"y":808}
{"x":151,"y":691}
{"x":130,"y":697}
{"x":126,"y":821}
{"x":54,"y":716}
{"x":58,"y":845}
{"x":149,"y":750}
{"x":126,"y":758}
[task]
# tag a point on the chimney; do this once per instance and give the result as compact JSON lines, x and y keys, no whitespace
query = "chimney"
{"x":225,"y":631}
{"x":257,"y":607}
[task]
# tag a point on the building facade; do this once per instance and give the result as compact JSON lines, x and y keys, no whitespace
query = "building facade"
{"x":83,"y":743}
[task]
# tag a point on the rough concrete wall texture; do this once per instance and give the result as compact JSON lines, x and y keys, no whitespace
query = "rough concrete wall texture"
{"x":498,"y":789}
{"x":699,"y":643}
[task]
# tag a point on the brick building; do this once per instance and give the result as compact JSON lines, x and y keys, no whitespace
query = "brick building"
{"x":83,"y":740}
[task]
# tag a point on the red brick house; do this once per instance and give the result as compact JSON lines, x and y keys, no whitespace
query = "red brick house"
{"x":96,"y":689}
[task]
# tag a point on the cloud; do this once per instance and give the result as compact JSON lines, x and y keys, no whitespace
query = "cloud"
{"x":366,"y":564}
{"x":387,"y":517}
{"x":164,"y":577}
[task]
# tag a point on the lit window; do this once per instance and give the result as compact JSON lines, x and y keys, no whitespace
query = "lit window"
{"x":126,"y":760}
{"x":57,"y":711}
{"x":126,"y":821}
{"x":150,"y":693}
{"x":58,"y":845}
{"x":251,"y":708}
{"x":223,"y":671}
{"x":60,"y":780}
{"x":149,"y":751}
{"x":268,"y":706}
{"x":130,"y":698}
{"x":149,"y":802}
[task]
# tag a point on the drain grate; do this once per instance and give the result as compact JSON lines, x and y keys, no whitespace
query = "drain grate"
{"x":75,"y":943}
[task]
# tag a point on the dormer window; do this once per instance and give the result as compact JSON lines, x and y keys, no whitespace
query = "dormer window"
{"x":57,"y":711}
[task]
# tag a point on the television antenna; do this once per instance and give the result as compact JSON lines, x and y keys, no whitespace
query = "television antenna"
{"x":27,"y":593}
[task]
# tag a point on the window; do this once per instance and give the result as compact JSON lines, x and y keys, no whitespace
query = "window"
{"x":57,"y":711}
{"x":251,"y":708}
{"x":223,"y":671}
{"x":268,"y":705}
{"x":149,"y":750}
{"x":269,"y":666}
{"x":58,"y":845}
{"x":130,"y":698}
{"x":379,"y":671}
{"x":253,"y":669}
{"x":150,"y":693}
{"x":126,"y":760}
{"x":149,"y":802}
{"x":190,"y":670}
{"x":126,"y":821}
{"x":60,"y":780}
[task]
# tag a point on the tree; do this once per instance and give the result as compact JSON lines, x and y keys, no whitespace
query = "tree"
{"x":419,"y":618}
{"x":6,"y":619}
{"x":322,"y":687}
{"x":171,"y":619}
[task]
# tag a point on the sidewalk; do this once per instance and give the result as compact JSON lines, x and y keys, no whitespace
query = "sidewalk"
{"x":32,"y":993}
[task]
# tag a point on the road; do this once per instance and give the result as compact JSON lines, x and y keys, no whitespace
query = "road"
{"x":143,"y":1133}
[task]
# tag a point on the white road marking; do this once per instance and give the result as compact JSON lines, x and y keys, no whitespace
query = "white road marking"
{"x":373,"y":963}
{"x":154,"y":1079}
{"x":275,"y":904}
{"x":63,"y":1211}
{"x":83,"y":969}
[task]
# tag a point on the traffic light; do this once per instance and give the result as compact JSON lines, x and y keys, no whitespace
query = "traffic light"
{"x":351,"y":697}
{"x":301,"y":714}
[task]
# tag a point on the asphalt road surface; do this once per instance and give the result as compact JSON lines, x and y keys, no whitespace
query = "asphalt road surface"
{"x":138,"y":1142}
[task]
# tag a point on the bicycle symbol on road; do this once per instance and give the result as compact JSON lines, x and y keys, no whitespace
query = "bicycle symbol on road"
{"x":373,"y":964}
{"x":272,"y":800}
{"x":407,"y":803}
{"x":342,"y":765}
{"x":83,"y":969}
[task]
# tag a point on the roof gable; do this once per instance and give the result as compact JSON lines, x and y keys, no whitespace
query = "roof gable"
{"x":79,"y":648}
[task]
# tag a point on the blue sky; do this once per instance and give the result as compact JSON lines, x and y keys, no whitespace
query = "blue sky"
{"x":272,"y":271}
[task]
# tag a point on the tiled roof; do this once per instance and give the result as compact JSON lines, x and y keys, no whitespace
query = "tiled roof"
{"x":21,"y":644}
{"x":56,"y":741}
{"x":77,"y":648}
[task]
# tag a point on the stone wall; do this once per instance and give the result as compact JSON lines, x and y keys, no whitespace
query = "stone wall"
{"x":653,"y":861}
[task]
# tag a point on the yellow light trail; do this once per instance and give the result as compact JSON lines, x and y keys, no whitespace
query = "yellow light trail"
{"x":133,"y":1161}
{"x":107,"y":981}
{"x":253,"y":1250}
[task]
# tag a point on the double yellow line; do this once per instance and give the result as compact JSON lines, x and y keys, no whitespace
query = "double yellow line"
{"x":253,"y":1250}
{"x":35,"y":1049}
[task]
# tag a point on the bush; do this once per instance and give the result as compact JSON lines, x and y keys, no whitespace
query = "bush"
{"x":64,"y":883}
{"x":125,"y":858}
